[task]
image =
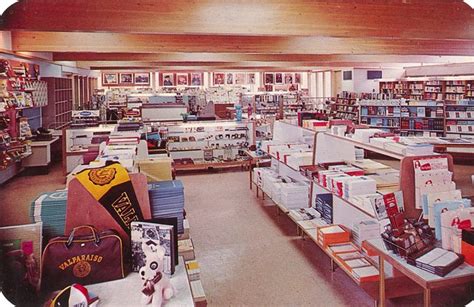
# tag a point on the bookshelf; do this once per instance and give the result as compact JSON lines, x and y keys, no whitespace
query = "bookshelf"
{"x":345,"y":108}
{"x":460,"y":118}
{"x":57,"y":114}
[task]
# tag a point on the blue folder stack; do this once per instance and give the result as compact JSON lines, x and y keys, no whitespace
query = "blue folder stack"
{"x":50,"y":208}
{"x":167,"y":200}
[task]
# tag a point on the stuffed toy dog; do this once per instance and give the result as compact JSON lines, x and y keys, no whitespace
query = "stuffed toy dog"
{"x":157,"y":286}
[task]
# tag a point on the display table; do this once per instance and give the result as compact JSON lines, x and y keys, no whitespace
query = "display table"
{"x":41,"y":153}
{"x":461,"y":275}
{"x":128,"y":291}
{"x":256,"y":160}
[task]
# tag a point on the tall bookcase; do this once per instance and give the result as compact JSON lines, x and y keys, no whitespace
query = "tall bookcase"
{"x":57,"y":114}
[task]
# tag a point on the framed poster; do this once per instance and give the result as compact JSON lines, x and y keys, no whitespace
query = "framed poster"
{"x":240,"y":78}
{"x":278,"y":78}
{"x":219,"y":78}
{"x":182,"y":79}
{"x":196,"y":79}
{"x":229,"y":79}
{"x":109,"y":79}
{"x":126,"y":78}
{"x":269,"y":78}
{"x":142,"y":78}
{"x":298,"y":78}
{"x":288,"y":78}
{"x":168,"y":79}
{"x":251,"y":78}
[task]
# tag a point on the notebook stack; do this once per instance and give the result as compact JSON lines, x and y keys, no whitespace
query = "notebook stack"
{"x":50,"y":209}
{"x":167,"y":200}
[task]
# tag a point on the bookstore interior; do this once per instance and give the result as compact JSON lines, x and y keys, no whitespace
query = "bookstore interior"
{"x":186,"y":153}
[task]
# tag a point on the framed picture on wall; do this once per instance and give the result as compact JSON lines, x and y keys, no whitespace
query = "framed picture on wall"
{"x":298,"y":78}
{"x":278,"y":78}
{"x":142,"y":78}
{"x":219,"y":78}
{"x":288,"y":78}
{"x":240,"y":78}
{"x":269,"y":78}
{"x":126,"y":78}
{"x":182,"y":79}
{"x":229,"y":78}
{"x":196,"y":79}
{"x":109,"y":79}
{"x":168,"y":79}
{"x":251,"y":78}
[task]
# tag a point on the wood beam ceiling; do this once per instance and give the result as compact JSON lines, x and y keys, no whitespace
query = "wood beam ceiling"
{"x":241,"y":57}
{"x":408,"y":19}
{"x":152,"y":43}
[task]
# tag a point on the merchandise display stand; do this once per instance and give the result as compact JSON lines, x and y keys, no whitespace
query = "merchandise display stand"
{"x":41,"y":153}
{"x":460,"y":275}
{"x":393,"y":281}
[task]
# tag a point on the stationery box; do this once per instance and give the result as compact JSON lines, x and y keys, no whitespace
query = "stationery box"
{"x":467,"y":245}
{"x":333,"y":234}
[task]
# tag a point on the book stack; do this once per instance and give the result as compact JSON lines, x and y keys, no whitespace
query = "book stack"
{"x":333,"y":234}
{"x":365,"y":230}
{"x":50,"y":209}
{"x":167,"y":200}
{"x":419,"y":150}
{"x":294,"y":195}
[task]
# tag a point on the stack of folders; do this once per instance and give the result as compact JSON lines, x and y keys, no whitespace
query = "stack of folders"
{"x":324,"y":206}
{"x":365,"y":230}
{"x":167,"y":200}
{"x":294,"y":195}
{"x":333,"y":234}
{"x":439,"y":261}
{"x":50,"y":208}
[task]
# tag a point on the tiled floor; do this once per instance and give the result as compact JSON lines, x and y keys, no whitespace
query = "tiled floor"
{"x":248,"y":255}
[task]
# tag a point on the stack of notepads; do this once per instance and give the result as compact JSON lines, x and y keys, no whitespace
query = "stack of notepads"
{"x":167,"y":200}
{"x":438,"y":261}
{"x":50,"y":208}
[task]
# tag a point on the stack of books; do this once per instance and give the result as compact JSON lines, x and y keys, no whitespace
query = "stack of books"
{"x":50,"y":209}
{"x":167,"y":200}
{"x":324,"y":206}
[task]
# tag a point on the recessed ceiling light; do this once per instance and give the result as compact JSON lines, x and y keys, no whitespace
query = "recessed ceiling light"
{"x":4,"y":4}
{"x":470,"y":3}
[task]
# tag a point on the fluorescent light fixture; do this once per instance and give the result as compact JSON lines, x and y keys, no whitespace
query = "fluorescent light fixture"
{"x":470,"y":3}
{"x":4,"y":4}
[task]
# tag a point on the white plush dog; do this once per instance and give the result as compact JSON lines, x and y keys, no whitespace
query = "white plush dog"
{"x":157,"y":286}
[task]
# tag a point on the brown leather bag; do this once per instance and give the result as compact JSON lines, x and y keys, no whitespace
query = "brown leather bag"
{"x":83,"y":259}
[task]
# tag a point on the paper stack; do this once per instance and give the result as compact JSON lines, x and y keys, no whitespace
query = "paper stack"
{"x":369,"y":166}
{"x":366,"y":274}
{"x":269,"y":179}
{"x":395,"y":147}
{"x":419,"y":150}
{"x":371,"y":203}
{"x":364,"y":135}
{"x":361,"y":185}
{"x":294,"y":195}
{"x":50,"y":209}
{"x":365,"y":230}
{"x":167,"y":200}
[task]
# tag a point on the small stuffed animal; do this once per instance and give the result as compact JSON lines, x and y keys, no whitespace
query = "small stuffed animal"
{"x":157,"y":286}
